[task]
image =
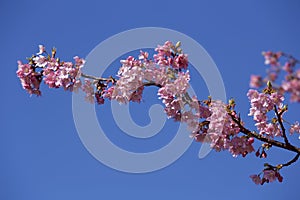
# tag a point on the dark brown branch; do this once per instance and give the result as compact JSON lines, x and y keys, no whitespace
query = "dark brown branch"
{"x":278,"y":115}
{"x":291,"y":161}
{"x":112,"y":79}
{"x":264,"y":139}
{"x":152,"y":84}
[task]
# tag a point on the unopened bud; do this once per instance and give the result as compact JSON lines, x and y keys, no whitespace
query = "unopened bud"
{"x":178,"y":44}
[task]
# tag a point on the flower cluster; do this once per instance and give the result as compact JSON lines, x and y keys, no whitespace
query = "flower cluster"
{"x":170,"y":55}
{"x":295,"y":128}
{"x":135,"y":73}
{"x":222,"y":132}
{"x":268,"y":176}
{"x":30,"y":79}
{"x":51,"y":70}
{"x":261,"y":104}
{"x":166,"y":71}
{"x":280,"y":63}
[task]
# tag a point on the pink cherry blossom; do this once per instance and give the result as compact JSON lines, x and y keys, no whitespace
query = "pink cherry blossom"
{"x":88,"y":88}
{"x":292,"y":86}
{"x":295,"y":128}
{"x":222,"y":132}
{"x":180,"y":85}
{"x":99,"y":99}
{"x":272,"y":58}
{"x":269,"y":175}
{"x":180,"y":62}
{"x":79,"y":62}
{"x":108,"y":93}
{"x":255,"y":81}
{"x":261,"y":104}
{"x":136,"y":96}
{"x":240,"y":146}
{"x":41,"y":49}
{"x":143,"y":55}
{"x":41,"y":61}
{"x":30,"y":80}
{"x":256,"y":179}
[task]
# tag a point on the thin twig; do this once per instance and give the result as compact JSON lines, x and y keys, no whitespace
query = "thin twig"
{"x":152,"y":84}
{"x":291,"y":57}
{"x":96,"y":78}
{"x":291,"y":161}
{"x":278,"y":115}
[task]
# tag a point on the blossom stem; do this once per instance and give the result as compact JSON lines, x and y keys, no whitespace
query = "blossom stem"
{"x":264,"y":139}
{"x":291,"y":161}
{"x":278,"y":115}
{"x":152,"y":84}
{"x":97,"y":78}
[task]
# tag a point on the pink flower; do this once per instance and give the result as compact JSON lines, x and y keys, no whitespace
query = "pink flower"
{"x":41,"y":49}
{"x":143,"y":55}
{"x":108,"y":93}
{"x":131,"y":78}
{"x":272,"y":76}
{"x":261,"y":104}
{"x":40,"y":61}
{"x":269,"y":175}
{"x":30,"y":80}
{"x":272,"y":58}
{"x":240,"y":146}
{"x":129,"y":62}
{"x":255,"y":81}
{"x":23,"y":70}
{"x":165,"y":50}
{"x":136,"y":96}
{"x":292,"y":86}
{"x":180,"y":62}
{"x":191,"y":118}
{"x":180,"y":85}
{"x":52,"y":80}
{"x":79,"y":62}
{"x":99,"y":99}
{"x":288,"y":67}
{"x":173,"y":106}
{"x":76,"y":85}
{"x":89,"y":90}
{"x":222,"y":130}
{"x":295,"y":128}
{"x":256,"y":179}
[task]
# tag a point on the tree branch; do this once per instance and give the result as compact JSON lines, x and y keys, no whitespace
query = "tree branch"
{"x":97,"y":78}
{"x":278,"y":115}
{"x":264,"y":139}
{"x":152,"y":84}
{"x":291,"y":161}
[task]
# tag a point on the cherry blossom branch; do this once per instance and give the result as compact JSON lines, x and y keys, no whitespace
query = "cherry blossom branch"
{"x":168,"y":70}
{"x":280,"y":166}
{"x":111,"y":79}
{"x":279,"y":118}
{"x":276,"y":143}
{"x":291,"y":161}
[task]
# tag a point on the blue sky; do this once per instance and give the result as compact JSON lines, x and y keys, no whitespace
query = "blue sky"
{"x":42,"y":156}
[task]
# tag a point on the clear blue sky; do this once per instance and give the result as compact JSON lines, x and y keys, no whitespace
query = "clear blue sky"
{"x":42,"y":156}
